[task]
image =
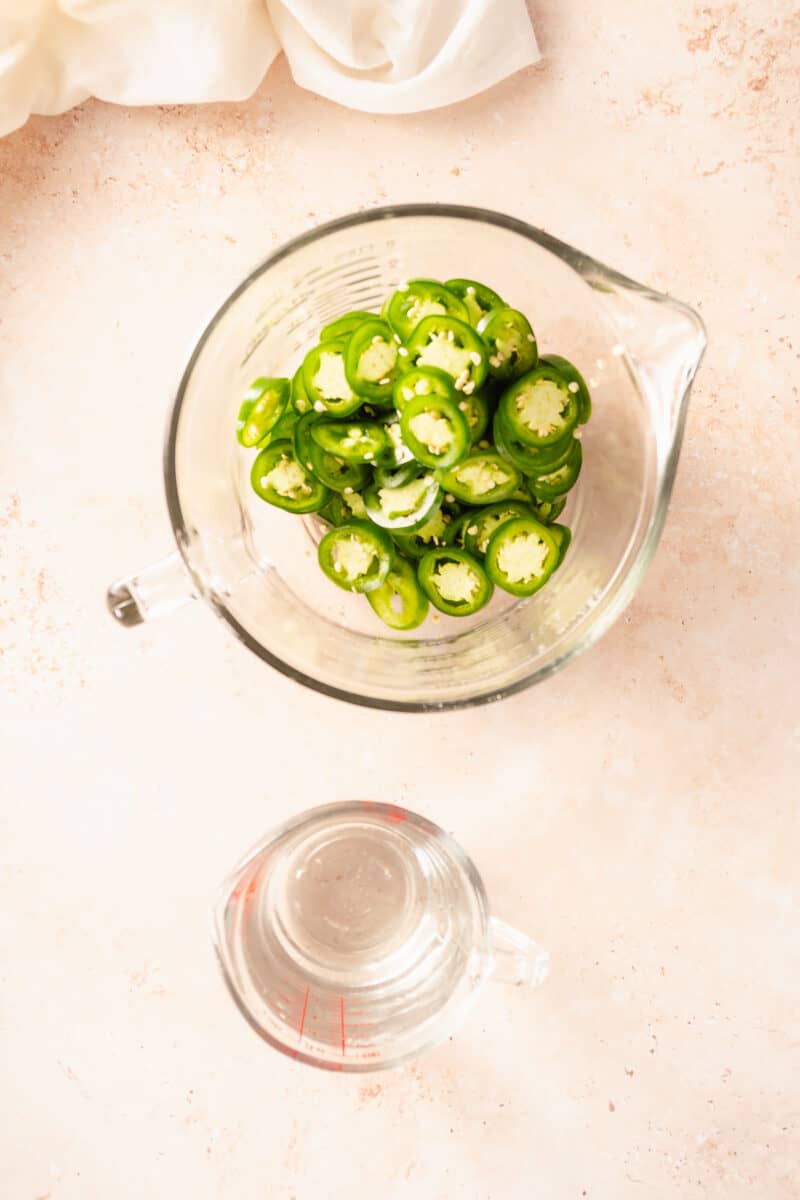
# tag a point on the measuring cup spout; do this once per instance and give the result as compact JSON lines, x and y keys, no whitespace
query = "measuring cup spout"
{"x":514,"y":957}
{"x":662,"y":340}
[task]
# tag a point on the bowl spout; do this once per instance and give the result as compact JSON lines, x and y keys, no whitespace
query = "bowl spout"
{"x":662,"y":339}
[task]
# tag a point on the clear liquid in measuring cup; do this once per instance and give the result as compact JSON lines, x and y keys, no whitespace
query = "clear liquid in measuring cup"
{"x":353,"y":935}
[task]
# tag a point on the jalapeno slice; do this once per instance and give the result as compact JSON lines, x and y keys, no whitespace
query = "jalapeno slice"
{"x":353,"y":441}
{"x":528,"y":459}
{"x":400,"y":601}
{"x":558,"y":483}
{"x":370,"y":361}
{"x":454,"y":581}
{"x":575,"y":383}
{"x":241,"y":421}
{"x":262,"y":408}
{"x":300,"y":400}
{"x":478,"y":298}
{"x":539,"y":409}
{"x":511,"y":342}
{"x":405,"y":508}
{"x":344,"y":506}
{"x":326,"y":382}
{"x":548,"y":511}
{"x":450,"y":345}
{"x":456,"y":533}
{"x":482,"y":525}
{"x":341,"y":327}
{"x":392,"y":477}
{"x":483,"y":477}
{"x":420,"y":541}
{"x":422,"y":381}
{"x":435,"y":430}
{"x":417,"y":299}
{"x":522,"y":555}
{"x":563,"y":535}
{"x":280,"y":479}
{"x":356,"y":557}
{"x":335,"y":472}
{"x":397,"y":452}
{"x":476,"y":408}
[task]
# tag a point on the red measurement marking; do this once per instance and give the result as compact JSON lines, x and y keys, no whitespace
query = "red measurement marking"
{"x":341,"y":1022}
{"x":396,"y":814}
{"x":303,"y":1019}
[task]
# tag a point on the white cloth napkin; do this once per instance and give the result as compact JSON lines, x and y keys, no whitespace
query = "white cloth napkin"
{"x":383,"y":56}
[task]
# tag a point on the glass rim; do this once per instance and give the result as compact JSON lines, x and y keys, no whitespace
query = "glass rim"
{"x":297,"y":821}
{"x":581,"y":264}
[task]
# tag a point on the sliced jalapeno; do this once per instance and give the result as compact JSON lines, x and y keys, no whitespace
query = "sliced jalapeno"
{"x":522,"y":555}
{"x":241,"y":421}
{"x":483,"y":477}
{"x":334,"y":472}
{"x":528,"y":459}
{"x":405,"y":508}
{"x":370,"y":361}
{"x":548,"y":511}
{"x":435,"y":430}
{"x":356,"y":557}
{"x":575,"y":383}
{"x":300,"y":400}
{"x":450,"y":345}
{"x":476,"y":408}
{"x":353,"y":441}
{"x":417,"y":299}
{"x":302,"y":441}
{"x":456,"y":533}
{"x":511,"y":342}
{"x":563,"y":535}
{"x":558,"y":483}
{"x":454,"y":581}
{"x":399,"y":601}
{"x":539,"y":409}
{"x":422,"y":381}
{"x":280,"y":479}
{"x":396,"y":476}
{"x":343,"y":506}
{"x":432,"y":533}
{"x":326,"y":381}
{"x":343,"y":326}
{"x":262,"y":408}
{"x":285,"y":427}
{"x":478,"y":298}
{"x":398,"y":452}
{"x":482,"y":525}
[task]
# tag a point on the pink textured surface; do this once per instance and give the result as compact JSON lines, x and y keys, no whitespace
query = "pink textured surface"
{"x":637,"y":814}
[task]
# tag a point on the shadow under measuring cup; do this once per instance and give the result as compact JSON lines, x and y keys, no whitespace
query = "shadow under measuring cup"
{"x":358,"y":934}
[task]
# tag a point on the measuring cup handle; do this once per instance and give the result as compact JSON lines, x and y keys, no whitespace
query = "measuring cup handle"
{"x":154,"y":592}
{"x":514,"y":957}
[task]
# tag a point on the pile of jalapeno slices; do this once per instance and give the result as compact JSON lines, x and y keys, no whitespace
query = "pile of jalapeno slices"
{"x":434,"y":441}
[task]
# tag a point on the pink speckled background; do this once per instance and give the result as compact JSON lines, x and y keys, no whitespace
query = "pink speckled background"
{"x":638,"y":813}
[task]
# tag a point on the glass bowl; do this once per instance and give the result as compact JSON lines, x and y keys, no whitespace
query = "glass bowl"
{"x":256,"y":565}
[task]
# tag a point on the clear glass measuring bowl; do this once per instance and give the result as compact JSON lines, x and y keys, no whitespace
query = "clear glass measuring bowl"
{"x":256,"y":566}
{"x":358,"y":934}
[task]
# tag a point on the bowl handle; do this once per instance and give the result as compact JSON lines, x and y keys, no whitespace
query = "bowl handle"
{"x":514,"y":957}
{"x":159,"y":589}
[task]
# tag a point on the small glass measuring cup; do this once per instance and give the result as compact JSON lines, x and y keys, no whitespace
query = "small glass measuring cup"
{"x":358,"y":934}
